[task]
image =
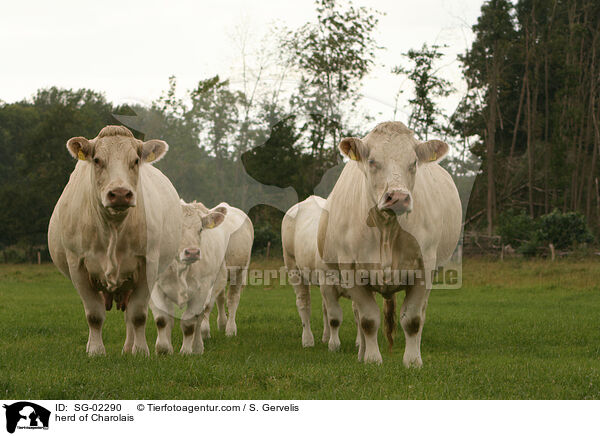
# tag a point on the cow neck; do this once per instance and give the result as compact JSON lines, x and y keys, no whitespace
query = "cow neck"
{"x":387,"y":224}
{"x":113,"y":225}
{"x":182,"y":271}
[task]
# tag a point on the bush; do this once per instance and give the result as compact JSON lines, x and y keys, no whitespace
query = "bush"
{"x":516,"y":229}
{"x":564,"y":230}
{"x":262,"y":235}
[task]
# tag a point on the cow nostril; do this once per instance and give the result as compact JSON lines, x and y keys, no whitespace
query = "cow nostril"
{"x":111,"y":195}
{"x":129,"y":195}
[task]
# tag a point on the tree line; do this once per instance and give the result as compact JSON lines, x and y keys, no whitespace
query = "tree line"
{"x":530,"y":115}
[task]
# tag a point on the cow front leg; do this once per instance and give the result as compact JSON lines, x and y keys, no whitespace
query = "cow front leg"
{"x":161,"y":311}
{"x":334,"y":315}
{"x":136,"y":314}
{"x":205,"y":322}
{"x":369,"y":320}
{"x":412,"y":319}
{"x":95,"y":311}
{"x":191,"y":319}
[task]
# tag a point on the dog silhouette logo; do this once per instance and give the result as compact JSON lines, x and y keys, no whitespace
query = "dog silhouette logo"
{"x":26,"y":415}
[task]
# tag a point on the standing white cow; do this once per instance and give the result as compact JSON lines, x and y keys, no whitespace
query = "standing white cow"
{"x":392,"y":209}
{"x":299,"y":241}
{"x":196,"y":272}
{"x":115,"y":228}
{"x":240,"y":233}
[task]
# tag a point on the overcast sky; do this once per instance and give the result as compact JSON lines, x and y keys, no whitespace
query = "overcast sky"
{"x":128,"y":49}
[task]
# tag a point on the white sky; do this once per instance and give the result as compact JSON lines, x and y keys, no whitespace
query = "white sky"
{"x":128,"y":49}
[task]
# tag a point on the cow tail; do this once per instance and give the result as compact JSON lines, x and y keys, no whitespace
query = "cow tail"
{"x":389,"y":316}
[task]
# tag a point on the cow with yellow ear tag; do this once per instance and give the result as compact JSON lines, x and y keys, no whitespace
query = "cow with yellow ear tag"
{"x":393,"y":209}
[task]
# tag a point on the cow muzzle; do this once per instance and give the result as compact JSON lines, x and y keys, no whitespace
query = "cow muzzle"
{"x":190,"y":255}
{"x":120,"y":198}
{"x":396,"y":200}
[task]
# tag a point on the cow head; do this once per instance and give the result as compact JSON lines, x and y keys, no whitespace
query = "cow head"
{"x":195,"y":222}
{"x":390,"y":157}
{"x":116,"y":157}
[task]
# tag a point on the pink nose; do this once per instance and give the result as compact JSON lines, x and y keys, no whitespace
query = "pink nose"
{"x":398,"y":201}
{"x":191,"y":253}
{"x":119,"y":197}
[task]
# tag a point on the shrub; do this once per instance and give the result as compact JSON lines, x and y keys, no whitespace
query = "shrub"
{"x":262,"y":235}
{"x":564,"y":230}
{"x":516,"y":229}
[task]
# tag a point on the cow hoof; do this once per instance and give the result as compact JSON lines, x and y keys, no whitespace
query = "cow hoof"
{"x":231,"y":330}
{"x":97,"y":350}
{"x":141,"y":350}
{"x":373,"y":358}
{"x":308,"y":340}
{"x":412,"y":361}
{"x":334,"y":345}
{"x":164,"y":349}
{"x":185,"y":351}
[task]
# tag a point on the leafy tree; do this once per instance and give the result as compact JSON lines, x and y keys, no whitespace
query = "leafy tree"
{"x":425,"y":116}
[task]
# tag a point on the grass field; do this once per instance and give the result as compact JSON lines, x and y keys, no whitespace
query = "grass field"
{"x":516,"y":330}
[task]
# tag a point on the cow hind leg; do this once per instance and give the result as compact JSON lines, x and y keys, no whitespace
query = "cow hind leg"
{"x":302,"y":291}
{"x":359,"y":337}
{"x":326,"y":330}
{"x":233,"y":300}
{"x":221,"y":312}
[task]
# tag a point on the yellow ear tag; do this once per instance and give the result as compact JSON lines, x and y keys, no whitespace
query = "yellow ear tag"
{"x":353,"y":155}
{"x":151,"y":157}
{"x":434,"y":156}
{"x":210,"y":225}
{"x":80,"y":155}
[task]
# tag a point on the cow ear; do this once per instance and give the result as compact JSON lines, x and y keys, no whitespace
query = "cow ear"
{"x":153,"y":150}
{"x":431,"y":151}
{"x":220,"y":209}
{"x":80,"y":148}
{"x":212,"y":220}
{"x":354,"y":148}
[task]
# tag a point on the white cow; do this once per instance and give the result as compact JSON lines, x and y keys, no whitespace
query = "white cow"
{"x":240,"y":233}
{"x":392,"y":209}
{"x":197,"y":271}
{"x":115,"y":228}
{"x":299,"y":241}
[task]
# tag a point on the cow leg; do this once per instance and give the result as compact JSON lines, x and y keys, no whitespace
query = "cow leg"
{"x":161,"y":310}
{"x":221,"y":312}
{"x":412,"y":318}
{"x":193,"y":315}
{"x":95,"y":311}
{"x":205,"y":323}
{"x":326,"y":330}
{"x":369,"y":316}
{"x":233,"y":301}
{"x":359,"y":338}
{"x":302,"y":291}
{"x":136,"y":315}
{"x":334,"y":315}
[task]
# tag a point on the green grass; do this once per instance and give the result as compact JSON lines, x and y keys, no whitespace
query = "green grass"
{"x":518,"y":329}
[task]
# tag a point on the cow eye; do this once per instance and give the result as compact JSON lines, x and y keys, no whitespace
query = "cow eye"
{"x":97,"y":161}
{"x":372,"y":163}
{"x":137,"y":161}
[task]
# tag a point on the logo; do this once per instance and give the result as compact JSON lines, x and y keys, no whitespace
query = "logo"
{"x":26,"y":415}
